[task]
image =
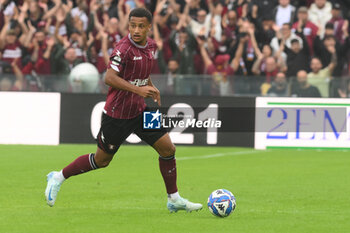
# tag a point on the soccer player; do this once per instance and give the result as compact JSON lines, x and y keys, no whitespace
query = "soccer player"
{"x":128,"y":77}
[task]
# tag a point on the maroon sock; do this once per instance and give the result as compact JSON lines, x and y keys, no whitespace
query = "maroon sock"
{"x":82,"y":164}
{"x":167,"y":167}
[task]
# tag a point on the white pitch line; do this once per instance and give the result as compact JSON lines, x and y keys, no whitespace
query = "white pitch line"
{"x":220,"y":155}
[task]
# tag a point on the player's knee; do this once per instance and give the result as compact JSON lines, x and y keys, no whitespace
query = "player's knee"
{"x":169,"y":151}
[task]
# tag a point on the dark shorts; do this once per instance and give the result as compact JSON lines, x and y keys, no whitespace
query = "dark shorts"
{"x":113,"y":132}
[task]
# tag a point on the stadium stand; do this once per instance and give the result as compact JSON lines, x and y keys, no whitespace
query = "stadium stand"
{"x":287,"y":45}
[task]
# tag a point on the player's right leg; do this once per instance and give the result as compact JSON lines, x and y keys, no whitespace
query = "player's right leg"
{"x":82,"y":164}
{"x":167,"y":165}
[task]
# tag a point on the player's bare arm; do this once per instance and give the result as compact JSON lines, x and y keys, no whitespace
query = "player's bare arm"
{"x":114,"y":80}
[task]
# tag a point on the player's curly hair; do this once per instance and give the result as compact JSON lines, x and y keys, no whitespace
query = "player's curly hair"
{"x":141,"y":12}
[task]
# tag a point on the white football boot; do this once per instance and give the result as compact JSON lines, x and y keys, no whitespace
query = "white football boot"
{"x":183,"y":204}
{"x":52,"y":188}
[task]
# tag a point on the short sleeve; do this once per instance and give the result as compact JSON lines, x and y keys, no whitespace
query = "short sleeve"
{"x":118,"y":58}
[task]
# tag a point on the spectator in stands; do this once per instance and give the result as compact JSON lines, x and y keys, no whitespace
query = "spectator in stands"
{"x":323,"y":50}
{"x":320,"y":77}
{"x":216,"y":10}
{"x":340,"y":24}
{"x":264,"y":30}
{"x":279,"y":87}
{"x":265,"y":7}
{"x":183,"y":47}
{"x":205,"y":20}
{"x":93,"y":27}
{"x":42,"y":47}
{"x":195,"y":6}
{"x":344,"y":90}
{"x":308,"y":28}
{"x":202,"y":21}
{"x":6,"y":84}
{"x":262,"y":55}
{"x":79,"y":12}
{"x":297,"y":56}
{"x":286,"y":34}
{"x":14,"y":38}
{"x":109,"y":7}
{"x":248,"y":56}
{"x":303,"y":88}
{"x":329,"y":30}
{"x":36,"y":13}
{"x":166,"y":24}
{"x":320,"y":14}
{"x":273,"y":65}
{"x":284,"y":13}
{"x":66,"y":59}
{"x":10,"y":46}
{"x":229,"y":25}
{"x":170,"y":69}
{"x":220,"y":69}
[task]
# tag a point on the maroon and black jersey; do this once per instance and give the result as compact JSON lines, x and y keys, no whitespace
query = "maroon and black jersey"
{"x":134,"y":64}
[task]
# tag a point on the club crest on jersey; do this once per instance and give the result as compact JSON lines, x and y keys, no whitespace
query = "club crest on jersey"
{"x":139,"y":82}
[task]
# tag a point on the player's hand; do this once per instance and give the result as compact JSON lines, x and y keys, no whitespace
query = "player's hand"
{"x":147,"y":91}
{"x":156,"y":97}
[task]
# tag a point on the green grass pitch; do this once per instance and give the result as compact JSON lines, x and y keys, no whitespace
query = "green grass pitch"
{"x":276,"y":191}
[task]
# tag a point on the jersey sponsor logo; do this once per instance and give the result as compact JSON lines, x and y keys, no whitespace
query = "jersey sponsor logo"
{"x":139,"y":82}
{"x":137,"y":58}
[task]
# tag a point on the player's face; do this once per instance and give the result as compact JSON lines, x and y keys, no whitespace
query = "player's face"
{"x":139,"y":28}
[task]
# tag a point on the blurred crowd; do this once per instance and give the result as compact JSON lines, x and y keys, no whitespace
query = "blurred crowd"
{"x":260,"y":47}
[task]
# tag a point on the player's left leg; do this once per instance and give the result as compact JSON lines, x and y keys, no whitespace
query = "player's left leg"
{"x":167,"y":165}
{"x":113,"y":133}
{"x":82,"y":164}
